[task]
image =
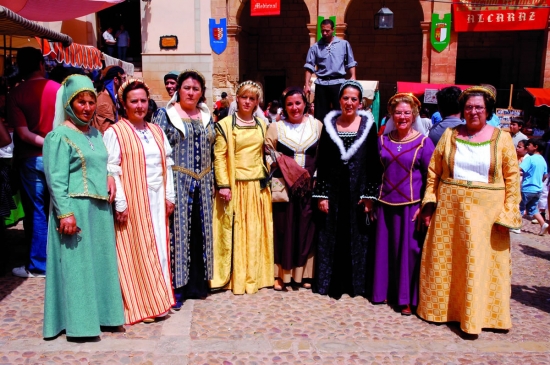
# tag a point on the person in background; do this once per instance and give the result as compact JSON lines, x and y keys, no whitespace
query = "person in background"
{"x":243,"y":218}
{"x":189,"y":127}
{"x":291,"y":153}
{"x":122,"y":42}
{"x":140,"y":162}
{"x":534,"y":172}
{"x":170,"y":82}
{"x":274,"y":112}
{"x":107,"y":111}
{"x":516,"y":124}
{"x":447,"y":103}
{"x":218,"y":105}
{"x":425,"y":118}
{"x":329,"y":59}
{"x":405,"y":156}
{"x":348,"y":179}
{"x":82,"y":286}
{"x":436,"y":117}
{"x":110,"y":41}
{"x":471,"y":200}
{"x":31,"y":109}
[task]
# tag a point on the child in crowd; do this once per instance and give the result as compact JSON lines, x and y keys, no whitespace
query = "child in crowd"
{"x":534,"y":172}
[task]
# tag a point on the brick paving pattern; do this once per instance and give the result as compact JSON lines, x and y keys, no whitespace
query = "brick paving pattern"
{"x":293,"y":327}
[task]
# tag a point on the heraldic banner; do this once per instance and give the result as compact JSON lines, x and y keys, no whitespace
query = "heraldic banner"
{"x":218,"y":35}
{"x":441,"y":31}
{"x":265,"y":7}
{"x":500,"y":15}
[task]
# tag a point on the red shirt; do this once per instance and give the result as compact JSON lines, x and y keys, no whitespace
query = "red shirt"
{"x":32,"y":104}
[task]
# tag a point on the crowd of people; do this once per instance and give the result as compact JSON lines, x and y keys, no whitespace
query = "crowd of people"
{"x":148,"y":211}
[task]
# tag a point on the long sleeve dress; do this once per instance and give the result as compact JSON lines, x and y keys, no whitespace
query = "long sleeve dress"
{"x":82,"y":285}
{"x":465,"y":269}
{"x":192,"y":142}
{"x":293,"y":222}
{"x":140,"y":162}
{"x":348,"y":169}
{"x":243,"y":227}
{"x":398,"y":244}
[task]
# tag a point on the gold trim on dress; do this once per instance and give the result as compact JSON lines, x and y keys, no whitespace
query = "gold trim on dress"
{"x":65,"y":215}
{"x":83,"y":162}
{"x":86,"y":195}
{"x":191,"y":173}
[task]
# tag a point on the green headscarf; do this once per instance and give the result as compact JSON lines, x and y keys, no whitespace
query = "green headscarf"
{"x":70,"y":87}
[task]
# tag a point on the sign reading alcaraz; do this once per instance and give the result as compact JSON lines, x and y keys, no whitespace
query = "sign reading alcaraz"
{"x":500,"y":15}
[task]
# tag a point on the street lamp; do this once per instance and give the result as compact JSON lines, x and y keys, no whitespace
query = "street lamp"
{"x":383,"y":19}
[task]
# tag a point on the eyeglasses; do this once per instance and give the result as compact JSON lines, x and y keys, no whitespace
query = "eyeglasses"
{"x":476,"y":108}
{"x":402,"y":113}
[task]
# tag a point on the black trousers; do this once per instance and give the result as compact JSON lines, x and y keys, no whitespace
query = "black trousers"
{"x":326,"y":99}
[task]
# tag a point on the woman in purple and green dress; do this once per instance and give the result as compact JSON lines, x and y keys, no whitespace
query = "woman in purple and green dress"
{"x":405,"y":154}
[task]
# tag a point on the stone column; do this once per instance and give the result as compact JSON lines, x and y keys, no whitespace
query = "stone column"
{"x":226,"y":65}
{"x":438,"y":67}
{"x":312,"y":28}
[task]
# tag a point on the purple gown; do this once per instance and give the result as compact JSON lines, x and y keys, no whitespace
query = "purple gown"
{"x":398,"y":245}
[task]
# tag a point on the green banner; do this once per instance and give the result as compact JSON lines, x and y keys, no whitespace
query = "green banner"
{"x":441,"y":31}
{"x":319,"y":20}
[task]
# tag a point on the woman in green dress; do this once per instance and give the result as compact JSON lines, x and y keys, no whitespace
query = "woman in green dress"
{"x":82,"y":286}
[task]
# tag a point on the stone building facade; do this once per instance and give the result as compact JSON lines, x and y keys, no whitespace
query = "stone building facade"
{"x":272,"y":50}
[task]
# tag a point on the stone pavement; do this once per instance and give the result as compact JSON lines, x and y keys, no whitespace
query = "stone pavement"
{"x":294,"y":327}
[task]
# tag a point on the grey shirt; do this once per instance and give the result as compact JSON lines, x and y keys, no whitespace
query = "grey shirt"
{"x":437,"y":130}
{"x":518,"y":137}
{"x":332,"y":61}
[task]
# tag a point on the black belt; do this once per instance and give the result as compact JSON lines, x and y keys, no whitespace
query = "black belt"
{"x":325,"y":78}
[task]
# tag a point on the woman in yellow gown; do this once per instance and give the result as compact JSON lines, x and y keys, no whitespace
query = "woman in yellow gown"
{"x":243,"y":223}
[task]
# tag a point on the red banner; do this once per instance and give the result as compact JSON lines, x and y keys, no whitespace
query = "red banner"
{"x":500,"y":15}
{"x":265,"y":7}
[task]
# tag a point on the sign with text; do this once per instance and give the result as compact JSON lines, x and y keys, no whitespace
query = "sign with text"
{"x":506,"y":115}
{"x":441,"y":31}
{"x":265,"y":7}
{"x":500,"y":15}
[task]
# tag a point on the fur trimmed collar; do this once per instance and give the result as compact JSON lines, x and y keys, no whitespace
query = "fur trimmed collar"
{"x":362,"y":132}
{"x":175,"y":118}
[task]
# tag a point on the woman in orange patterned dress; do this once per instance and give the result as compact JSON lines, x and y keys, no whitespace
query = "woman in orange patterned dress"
{"x":139,"y":160}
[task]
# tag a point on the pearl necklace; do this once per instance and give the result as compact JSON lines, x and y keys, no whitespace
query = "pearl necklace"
{"x":249,"y":122}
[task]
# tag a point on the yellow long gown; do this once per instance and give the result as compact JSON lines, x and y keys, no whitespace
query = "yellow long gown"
{"x":243,"y":227}
{"x":465,"y":270}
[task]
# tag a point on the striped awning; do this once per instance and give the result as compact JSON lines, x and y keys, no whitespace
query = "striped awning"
{"x":15,"y":25}
{"x":76,"y":55}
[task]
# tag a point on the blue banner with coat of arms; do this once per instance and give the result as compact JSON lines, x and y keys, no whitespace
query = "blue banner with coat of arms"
{"x":218,"y":35}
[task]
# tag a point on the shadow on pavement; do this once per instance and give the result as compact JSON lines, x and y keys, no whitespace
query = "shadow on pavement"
{"x":8,"y":284}
{"x":531,"y":251}
{"x":532,"y":296}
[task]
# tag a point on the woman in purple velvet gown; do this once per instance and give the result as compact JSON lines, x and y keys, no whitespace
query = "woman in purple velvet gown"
{"x":405,"y":154}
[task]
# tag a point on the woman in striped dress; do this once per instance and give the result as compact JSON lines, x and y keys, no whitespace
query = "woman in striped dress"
{"x":139,"y":160}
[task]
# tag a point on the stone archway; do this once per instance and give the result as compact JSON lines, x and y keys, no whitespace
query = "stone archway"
{"x":272,"y":50}
{"x":255,"y":44}
{"x":386,"y":55}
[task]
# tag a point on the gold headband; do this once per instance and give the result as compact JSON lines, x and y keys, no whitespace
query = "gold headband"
{"x":248,"y":83}
{"x":400,"y":95}
{"x":195,"y":71}
{"x":477,"y":89}
{"x":125,"y":85}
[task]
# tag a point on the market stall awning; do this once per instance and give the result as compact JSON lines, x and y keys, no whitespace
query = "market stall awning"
{"x":542,"y":96}
{"x":56,"y":10}
{"x":76,"y":55}
{"x":15,"y":25}
{"x":418,"y":88}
